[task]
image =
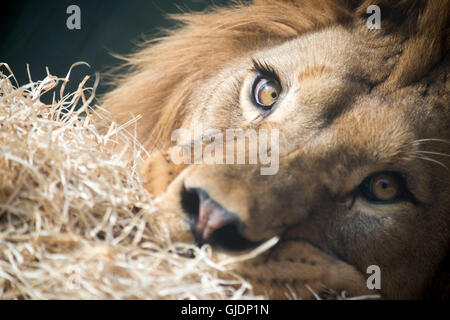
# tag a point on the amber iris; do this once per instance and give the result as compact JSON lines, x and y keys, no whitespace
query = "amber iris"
{"x":385,"y":187}
{"x":266,"y":92}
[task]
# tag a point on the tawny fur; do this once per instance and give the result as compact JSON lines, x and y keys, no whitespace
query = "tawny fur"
{"x":368,"y":100}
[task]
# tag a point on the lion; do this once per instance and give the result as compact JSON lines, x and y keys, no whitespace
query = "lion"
{"x":362,"y":116}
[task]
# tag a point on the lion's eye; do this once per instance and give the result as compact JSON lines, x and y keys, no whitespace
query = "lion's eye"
{"x":383,"y":187}
{"x":266,"y":92}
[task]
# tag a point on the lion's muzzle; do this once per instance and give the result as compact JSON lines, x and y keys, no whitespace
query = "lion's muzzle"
{"x":212,"y":223}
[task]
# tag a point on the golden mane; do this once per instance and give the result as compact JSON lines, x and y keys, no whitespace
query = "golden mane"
{"x":161,"y":76}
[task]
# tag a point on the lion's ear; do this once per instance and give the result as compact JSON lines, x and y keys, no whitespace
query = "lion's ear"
{"x":396,"y":12}
{"x":423,"y":26}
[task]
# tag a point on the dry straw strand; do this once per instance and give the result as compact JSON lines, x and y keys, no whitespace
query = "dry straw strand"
{"x":68,"y":197}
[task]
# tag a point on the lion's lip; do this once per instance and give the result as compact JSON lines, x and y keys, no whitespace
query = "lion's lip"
{"x":213,"y":224}
{"x":229,"y":238}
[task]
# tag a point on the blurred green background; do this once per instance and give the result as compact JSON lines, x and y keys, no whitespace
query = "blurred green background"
{"x":34,"y":32}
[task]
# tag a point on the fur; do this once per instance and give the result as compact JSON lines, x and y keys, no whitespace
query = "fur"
{"x":369,"y":99}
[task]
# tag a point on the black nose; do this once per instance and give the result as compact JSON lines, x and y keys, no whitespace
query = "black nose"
{"x":211,"y":223}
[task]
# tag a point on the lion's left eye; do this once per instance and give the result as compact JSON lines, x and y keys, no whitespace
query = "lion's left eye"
{"x":266,"y":92}
{"x":383,"y":187}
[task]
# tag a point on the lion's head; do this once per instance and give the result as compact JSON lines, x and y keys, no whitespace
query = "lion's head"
{"x":362,"y":121}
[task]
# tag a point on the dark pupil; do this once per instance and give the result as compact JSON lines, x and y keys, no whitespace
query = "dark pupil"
{"x":274,"y":95}
{"x":384,"y":185}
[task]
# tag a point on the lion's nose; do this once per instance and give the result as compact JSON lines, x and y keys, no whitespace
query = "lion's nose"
{"x":206,"y":214}
{"x":212,"y":223}
{"x":211,"y":216}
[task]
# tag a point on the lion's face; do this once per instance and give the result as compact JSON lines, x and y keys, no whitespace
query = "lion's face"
{"x":361,"y":174}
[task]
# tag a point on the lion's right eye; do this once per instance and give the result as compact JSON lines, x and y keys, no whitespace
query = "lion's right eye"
{"x":266,"y":92}
{"x":266,"y":88}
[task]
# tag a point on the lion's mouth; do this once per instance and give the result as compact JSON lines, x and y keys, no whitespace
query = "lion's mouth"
{"x":211,"y":223}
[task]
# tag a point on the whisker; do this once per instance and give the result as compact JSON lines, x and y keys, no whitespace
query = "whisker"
{"x":316,"y":296}
{"x":365,"y":297}
{"x":432,"y":152}
{"x":431,"y":160}
{"x":419,"y":141}
{"x":291,"y":292}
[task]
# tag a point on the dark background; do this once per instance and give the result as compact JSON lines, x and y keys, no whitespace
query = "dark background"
{"x":34,"y":32}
